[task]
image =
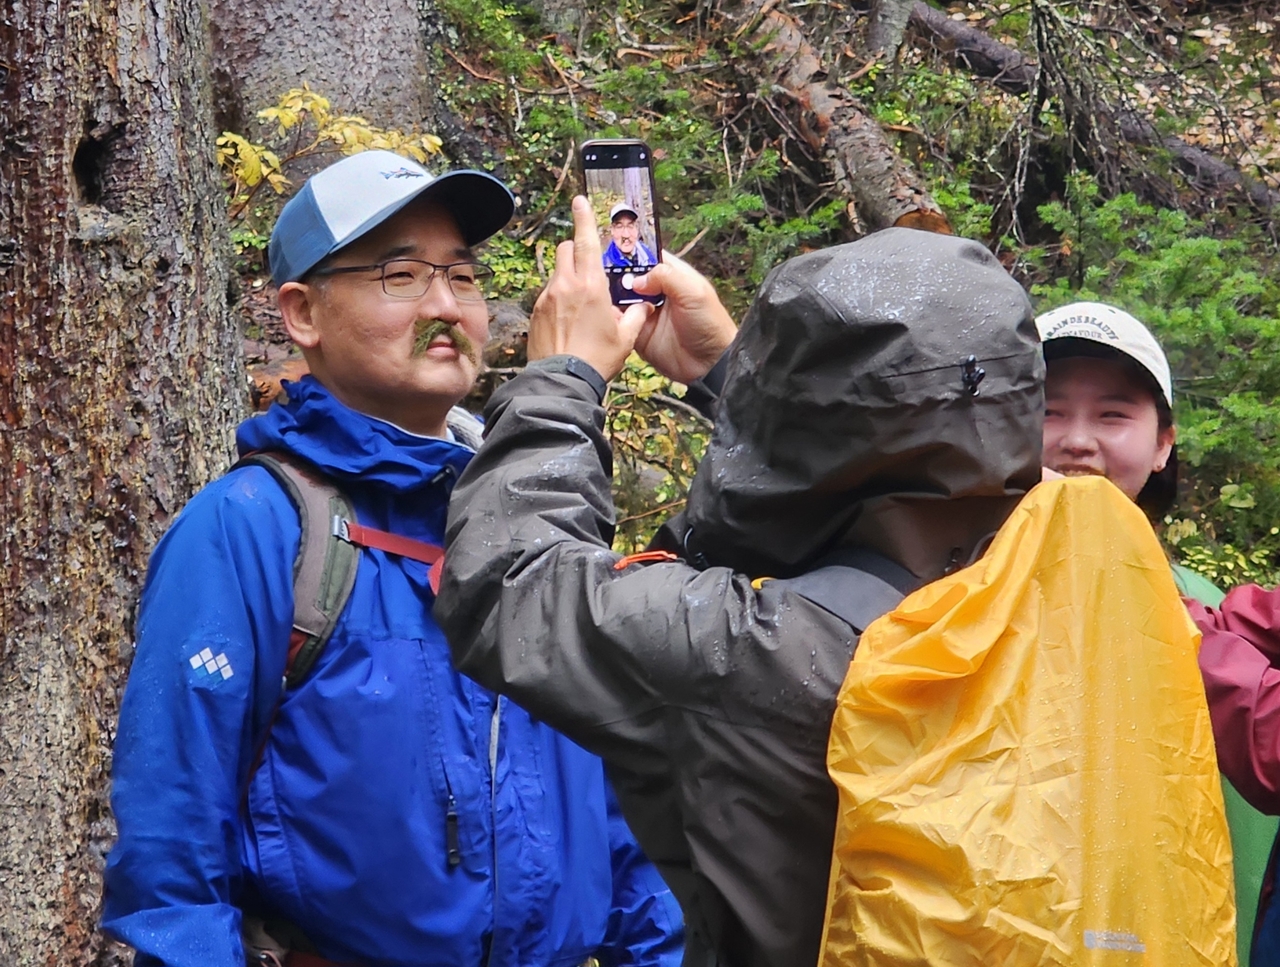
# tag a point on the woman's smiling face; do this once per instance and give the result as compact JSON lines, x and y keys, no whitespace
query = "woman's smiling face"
{"x":1101,"y":418}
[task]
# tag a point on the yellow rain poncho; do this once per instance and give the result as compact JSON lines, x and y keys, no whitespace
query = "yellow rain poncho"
{"x":1025,"y":764}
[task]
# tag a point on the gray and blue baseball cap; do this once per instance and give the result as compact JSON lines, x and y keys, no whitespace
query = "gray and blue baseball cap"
{"x":339,"y":204}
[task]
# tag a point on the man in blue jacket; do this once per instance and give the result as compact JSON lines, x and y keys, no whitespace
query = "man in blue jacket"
{"x":626,"y":250}
{"x":386,"y":811}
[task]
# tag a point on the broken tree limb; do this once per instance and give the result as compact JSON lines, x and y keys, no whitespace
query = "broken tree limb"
{"x":1012,"y":71}
{"x":886,"y":191}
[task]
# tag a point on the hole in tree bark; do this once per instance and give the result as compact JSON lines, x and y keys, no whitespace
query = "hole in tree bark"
{"x":88,"y":165}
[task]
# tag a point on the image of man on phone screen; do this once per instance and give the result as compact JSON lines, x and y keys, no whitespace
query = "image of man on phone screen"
{"x":626,"y":249}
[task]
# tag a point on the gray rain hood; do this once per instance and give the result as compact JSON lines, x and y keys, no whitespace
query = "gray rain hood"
{"x":888,"y":393}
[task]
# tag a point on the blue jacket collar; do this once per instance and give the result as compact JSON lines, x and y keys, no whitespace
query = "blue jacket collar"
{"x":315,"y":426}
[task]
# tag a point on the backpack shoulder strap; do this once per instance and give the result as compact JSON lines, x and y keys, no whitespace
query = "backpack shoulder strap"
{"x":855,"y":584}
{"x":324,"y":571}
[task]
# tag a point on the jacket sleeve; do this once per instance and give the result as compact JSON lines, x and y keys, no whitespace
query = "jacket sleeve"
{"x":1240,"y":662}
{"x":703,"y":394}
{"x":213,"y":629}
{"x":646,"y":927}
{"x":534,"y":607}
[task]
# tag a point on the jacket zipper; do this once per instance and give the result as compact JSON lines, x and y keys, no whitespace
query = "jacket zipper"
{"x":494,"y":723}
{"x":451,"y":843}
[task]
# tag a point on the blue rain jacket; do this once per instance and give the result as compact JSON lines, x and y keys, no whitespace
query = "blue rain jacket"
{"x":346,"y":824}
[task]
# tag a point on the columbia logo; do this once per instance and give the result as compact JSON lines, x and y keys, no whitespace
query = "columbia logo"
{"x":213,"y":664}
{"x":1113,"y":940}
{"x":401,"y":173}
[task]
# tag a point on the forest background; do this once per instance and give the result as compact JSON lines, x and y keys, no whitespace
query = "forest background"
{"x":1037,"y":157}
{"x":1121,"y":151}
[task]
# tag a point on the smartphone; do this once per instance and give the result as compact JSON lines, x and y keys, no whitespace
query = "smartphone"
{"x":618,"y":177}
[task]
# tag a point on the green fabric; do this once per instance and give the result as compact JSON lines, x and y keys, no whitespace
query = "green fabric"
{"x":1252,"y":833}
{"x":1193,"y":585}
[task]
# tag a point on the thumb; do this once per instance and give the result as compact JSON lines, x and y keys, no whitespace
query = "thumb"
{"x":633,"y":320}
{"x":652,"y":282}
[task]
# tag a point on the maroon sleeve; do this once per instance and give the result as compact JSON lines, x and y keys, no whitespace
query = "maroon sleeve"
{"x":1239,"y":660}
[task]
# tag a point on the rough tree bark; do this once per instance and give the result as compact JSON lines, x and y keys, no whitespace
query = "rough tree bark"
{"x":886,"y":192}
{"x":119,"y":384}
{"x":460,"y":143}
{"x":366,"y":56}
{"x":887,"y":22}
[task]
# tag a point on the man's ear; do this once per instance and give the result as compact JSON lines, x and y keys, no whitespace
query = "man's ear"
{"x":297,"y":304}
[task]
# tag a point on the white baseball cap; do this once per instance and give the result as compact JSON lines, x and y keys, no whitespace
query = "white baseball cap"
{"x":621,"y":207}
{"x":1070,"y":330}
{"x":339,"y":204}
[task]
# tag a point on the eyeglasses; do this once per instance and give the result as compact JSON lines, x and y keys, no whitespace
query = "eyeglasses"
{"x":411,"y":278}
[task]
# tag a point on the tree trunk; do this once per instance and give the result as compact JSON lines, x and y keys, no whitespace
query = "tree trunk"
{"x":366,"y":56}
{"x":119,"y":385}
{"x":888,"y":22}
{"x":461,"y":144}
{"x":564,"y":18}
{"x":886,"y":192}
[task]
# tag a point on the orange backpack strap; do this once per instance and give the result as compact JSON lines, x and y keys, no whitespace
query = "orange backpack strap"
{"x":643,"y":557}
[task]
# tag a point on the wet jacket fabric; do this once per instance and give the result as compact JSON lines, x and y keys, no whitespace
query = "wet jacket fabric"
{"x":846,"y":420}
{"x":1240,"y":662}
{"x":347,"y":827}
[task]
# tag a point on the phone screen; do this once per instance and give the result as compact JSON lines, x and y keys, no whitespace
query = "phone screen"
{"x":619,"y":184}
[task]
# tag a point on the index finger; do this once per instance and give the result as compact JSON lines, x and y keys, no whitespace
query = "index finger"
{"x":586,"y":237}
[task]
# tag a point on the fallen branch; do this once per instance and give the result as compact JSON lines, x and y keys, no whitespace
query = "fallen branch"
{"x":691,"y":243}
{"x":999,"y":63}
{"x":831,"y":120}
{"x":1012,"y":71}
{"x":493,"y":79}
{"x":654,"y":511}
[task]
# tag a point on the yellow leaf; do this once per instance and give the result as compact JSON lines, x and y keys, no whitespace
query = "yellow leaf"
{"x":250,"y":167}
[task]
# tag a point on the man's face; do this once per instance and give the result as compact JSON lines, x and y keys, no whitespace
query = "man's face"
{"x":625,"y":233}
{"x":360,"y":341}
{"x":1100,"y":418}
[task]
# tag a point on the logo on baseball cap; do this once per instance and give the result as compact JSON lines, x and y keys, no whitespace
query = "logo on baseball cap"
{"x":1072,"y":329}
{"x":352,"y":196}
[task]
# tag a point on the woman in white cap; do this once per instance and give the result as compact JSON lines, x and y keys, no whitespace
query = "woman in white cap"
{"x":1109,"y":411}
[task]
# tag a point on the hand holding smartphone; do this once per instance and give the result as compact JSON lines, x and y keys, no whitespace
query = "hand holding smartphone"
{"x":618,"y":178}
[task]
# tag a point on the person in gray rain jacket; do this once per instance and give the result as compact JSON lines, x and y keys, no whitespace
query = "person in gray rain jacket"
{"x":881,"y":410}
